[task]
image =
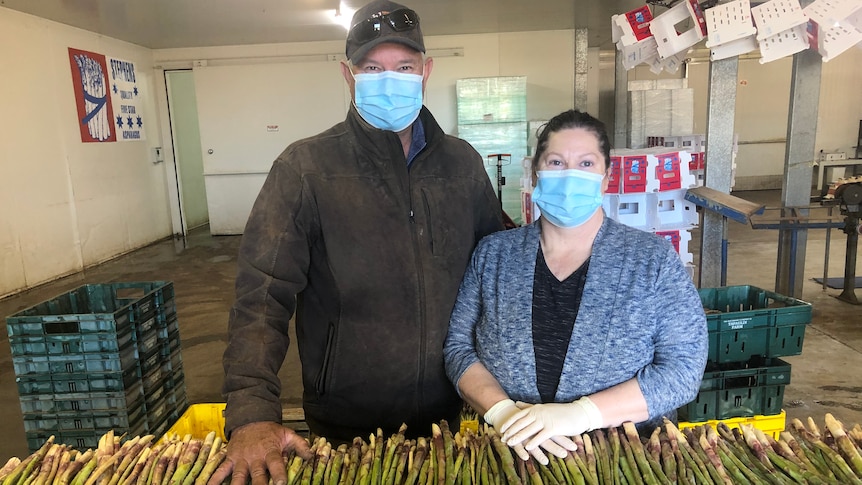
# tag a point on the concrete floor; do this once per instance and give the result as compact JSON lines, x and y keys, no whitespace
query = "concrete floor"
{"x":825,"y":377}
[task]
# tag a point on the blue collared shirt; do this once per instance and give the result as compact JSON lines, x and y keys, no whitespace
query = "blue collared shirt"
{"x":417,"y":144}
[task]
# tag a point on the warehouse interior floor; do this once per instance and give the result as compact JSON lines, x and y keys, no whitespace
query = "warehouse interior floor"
{"x":825,"y":377}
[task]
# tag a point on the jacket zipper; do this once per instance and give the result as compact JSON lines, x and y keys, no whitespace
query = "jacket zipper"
{"x":417,"y":252}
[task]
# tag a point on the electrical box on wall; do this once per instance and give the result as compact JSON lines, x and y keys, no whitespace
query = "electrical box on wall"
{"x":158,"y":155}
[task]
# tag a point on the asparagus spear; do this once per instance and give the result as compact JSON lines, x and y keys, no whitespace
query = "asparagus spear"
{"x":322,"y":462}
{"x":643,"y":464}
{"x":831,"y":458}
{"x":202,"y":457}
{"x":48,"y":462}
{"x":714,"y":459}
{"x":86,"y":470}
{"x":845,"y":444}
{"x":603,"y":457}
{"x":402,"y":456}
{"x":449,"y":452}
{"x":494,"y":475}
{"x":813,"y":465}
{"x":557,"y":470}
{"x":364,"y":473}
{"x":354,"y":456}
{"x":377,"y":462}
{"x":439,"y":448}
{"x":507,"y":463}
{"x":633,"y":475}
{"x":533,"y":474}
{"x":23,"y":471}
{"x":213,"y":461}
{"x":576,"y":463}
{"x":418,"y":461}
{"x":7,"y":469}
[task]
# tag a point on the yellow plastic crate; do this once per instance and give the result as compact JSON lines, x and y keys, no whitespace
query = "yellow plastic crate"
{"x":772,"y":424}
{"x":199,"y":420}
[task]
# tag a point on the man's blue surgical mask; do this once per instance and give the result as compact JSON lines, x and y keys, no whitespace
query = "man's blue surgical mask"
{"x":568,"y":198}
{"x":388,"y":100}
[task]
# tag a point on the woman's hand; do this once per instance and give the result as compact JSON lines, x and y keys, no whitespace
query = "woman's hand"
{"x":540,"y":423}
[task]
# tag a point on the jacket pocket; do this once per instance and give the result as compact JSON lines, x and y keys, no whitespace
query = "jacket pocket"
{"x":429,"y":225}
{"x":325,"y":367}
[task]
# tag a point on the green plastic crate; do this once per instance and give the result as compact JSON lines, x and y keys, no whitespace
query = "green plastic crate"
{"x":746,"y":321}
{"x":738,"y":390}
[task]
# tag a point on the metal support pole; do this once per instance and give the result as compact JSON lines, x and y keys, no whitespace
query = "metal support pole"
{"x":721,"y":107}
{"x":582,"y":68}
{"x":621,"y":102}
{"x":848,"y":294}
{"x":798,"y":168}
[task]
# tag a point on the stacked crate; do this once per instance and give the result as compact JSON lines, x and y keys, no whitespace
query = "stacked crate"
{"x":79,"y":361}
{"x":492,"y":117}
{"x":749,"y":328}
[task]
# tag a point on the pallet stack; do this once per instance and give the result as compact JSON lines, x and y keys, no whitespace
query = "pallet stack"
{"x":749,"y":329}
{"x":100,"y":357}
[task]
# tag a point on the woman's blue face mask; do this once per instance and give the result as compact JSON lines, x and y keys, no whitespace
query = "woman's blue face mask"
{"x":388,"y":100}
{"x":568,"y":198}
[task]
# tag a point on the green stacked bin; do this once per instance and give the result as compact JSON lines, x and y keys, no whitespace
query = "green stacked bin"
{"x":78,"y":362}
{"x":749,"y":328}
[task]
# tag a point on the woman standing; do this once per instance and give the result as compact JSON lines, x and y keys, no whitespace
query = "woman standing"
{"x":586,"y":322}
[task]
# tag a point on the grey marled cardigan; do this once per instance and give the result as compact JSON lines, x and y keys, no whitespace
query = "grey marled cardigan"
{"x":640,"y":315}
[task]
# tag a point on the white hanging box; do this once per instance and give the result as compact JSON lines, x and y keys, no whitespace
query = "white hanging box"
{"x":731,"y":30}
{"x":663,"y":28}
{"x":631,"y":27}
{"x":834,"y":26}
{"x":777,"y":16}
{"x":783,"y":44}
{"x":729,"y":22}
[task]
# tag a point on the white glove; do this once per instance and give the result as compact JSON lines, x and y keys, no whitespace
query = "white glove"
{"x":540,"y":422}
{"x":502,"y":412}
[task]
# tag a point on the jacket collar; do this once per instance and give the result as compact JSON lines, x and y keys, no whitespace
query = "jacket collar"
{"x":386,"y":144}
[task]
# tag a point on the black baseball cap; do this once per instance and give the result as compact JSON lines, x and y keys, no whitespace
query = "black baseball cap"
{"x":382,"y":21}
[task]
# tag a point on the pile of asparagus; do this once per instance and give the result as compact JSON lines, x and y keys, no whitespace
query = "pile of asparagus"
{"x":115,"y":461}
{"x":695,"y":455}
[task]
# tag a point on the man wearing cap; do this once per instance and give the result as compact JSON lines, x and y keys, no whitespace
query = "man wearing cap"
{"x":363,"y":232}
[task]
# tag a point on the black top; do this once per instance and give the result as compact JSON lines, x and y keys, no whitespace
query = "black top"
{"x":555,"y":307}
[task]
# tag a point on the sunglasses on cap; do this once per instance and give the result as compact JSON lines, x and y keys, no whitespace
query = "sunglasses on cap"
{"x":400,"y":20}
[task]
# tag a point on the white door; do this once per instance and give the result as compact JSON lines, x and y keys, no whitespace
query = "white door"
{"x":248,"y":114}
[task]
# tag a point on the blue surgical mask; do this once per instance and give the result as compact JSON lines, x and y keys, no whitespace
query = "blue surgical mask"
{"x":388,"y":100}
{"x":567,"y":198}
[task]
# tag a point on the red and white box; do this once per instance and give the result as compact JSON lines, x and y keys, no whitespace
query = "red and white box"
{"x":679,"y":238}
{"x":671,"y":170}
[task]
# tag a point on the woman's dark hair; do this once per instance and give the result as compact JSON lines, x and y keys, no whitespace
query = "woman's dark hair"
{"x":568,"y":120}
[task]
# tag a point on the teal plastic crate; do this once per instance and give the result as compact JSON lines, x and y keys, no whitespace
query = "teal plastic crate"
{"x":74,"y":383}
{"x":107,"y":307}
{"x":746,"y":321}
{"x":739,"y":390}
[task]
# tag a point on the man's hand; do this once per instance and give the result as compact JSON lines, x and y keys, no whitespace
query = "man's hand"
{"x":541,"y":422}
{"x":255,"y":451}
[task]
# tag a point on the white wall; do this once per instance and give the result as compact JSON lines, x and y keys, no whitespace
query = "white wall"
{"x":299,"y":88}
{"x":64,"y":204}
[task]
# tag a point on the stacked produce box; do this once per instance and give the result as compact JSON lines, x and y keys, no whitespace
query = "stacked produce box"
{"x":492,"y":116}
{"x":749,"y":328}
{"x":100,"y":357}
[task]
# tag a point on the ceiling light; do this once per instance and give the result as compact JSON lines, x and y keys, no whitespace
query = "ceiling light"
{"x":342,"y":15}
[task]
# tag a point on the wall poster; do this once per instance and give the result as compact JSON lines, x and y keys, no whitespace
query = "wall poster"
{"x":109,"y":102}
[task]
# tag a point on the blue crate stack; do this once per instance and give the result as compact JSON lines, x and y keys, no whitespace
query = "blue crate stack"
{"x":749,"y":329}
{"x":82,"y":359}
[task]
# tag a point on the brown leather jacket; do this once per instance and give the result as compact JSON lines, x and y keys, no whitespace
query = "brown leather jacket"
{"x":369,"y":255}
